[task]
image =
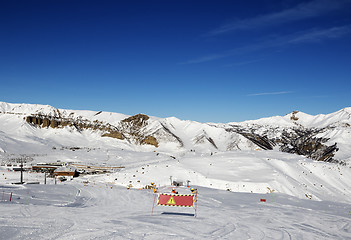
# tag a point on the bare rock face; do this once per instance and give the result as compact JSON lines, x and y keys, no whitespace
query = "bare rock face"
{"x":134,"y":128}
{"x":150,"y":140}
{"x":293,"y":116}
{"x":138,"y":130}
{"x":204,"y":138}
{"x":138,"y":120}
{"x":29,"y":119}
{"x":299,"y":140}
{"x":46,"y":122}
{"x":113,"y":134}
{"x":166,"y":135}
{"x":57,"y":122}
{"x":42,"y":121}
{"x":54,"y":124}
{"x":311,"y":147}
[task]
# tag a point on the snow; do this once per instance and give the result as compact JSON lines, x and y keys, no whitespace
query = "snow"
{"x":305,"y":199}
{"x":74,"y":210}
{"x":230,"y":186}
{"x":319,"y":121}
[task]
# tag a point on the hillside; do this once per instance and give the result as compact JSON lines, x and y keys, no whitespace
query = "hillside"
{"x":322,"y":137}
{"x":104,"y":211}
{"x":290,"y":162}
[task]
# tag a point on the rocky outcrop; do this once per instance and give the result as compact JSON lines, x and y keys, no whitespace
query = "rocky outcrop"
{"x":293,"y":116}
{"x":79,"y":124}
{"x":150,"y":140}
{"x":138,"y":129}
{"x":136,"y":122}
{"x":312,"y":147}
{"x":114,"y":134}
{"x":261,"y":141}
{"x":298,"y":140}
{"x":132,"y":127}
{"x":203,"y":138}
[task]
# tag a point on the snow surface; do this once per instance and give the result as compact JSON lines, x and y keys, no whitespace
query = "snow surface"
{"x":306,"y":120}
{"x":96,"y":210}
{"x":305,"y":199}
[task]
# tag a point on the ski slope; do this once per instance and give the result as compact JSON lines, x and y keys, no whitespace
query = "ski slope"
{"x":305,"y":199}
{"x":75,"y":210}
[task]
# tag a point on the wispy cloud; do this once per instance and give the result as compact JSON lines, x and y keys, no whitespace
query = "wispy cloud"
{"x":231,"y":52}
{"x":209,"y":58}
{"x":243,"y":63}
{"x":311,"y":35}
{"x":268,"y":93}
{"x":302,"y":11}
{"x":318,"y":35}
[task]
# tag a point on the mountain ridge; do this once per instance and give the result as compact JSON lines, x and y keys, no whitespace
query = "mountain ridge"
{"x":323,"y":137}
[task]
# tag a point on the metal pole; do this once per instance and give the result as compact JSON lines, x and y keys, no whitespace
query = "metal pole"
{"x":153,"y":205}
{"x":21,"y":173}
{"x":44,"y":178}
{"x":196,"y":204}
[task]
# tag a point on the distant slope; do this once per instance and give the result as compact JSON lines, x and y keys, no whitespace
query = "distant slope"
{"x":322,"y":137}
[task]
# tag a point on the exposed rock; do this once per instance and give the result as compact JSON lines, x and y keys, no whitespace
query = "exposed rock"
{"x":114,"y":134}
{"x":150,"y":140}
{"x":311,"y":147}
{"x":56,"y":122}
{"x":136,"y":130}
{"x":297,"y":140}
{"x":212,"y":142}
{"x":133,"y":129}
{"x":29,"y":119}
{"x":293,"y":117}
{"x":261,"y":141}
{"x":204,"y":138}
{"x":46,"y":122}
{"x":138,"y":120}
{"x":169,"y":135}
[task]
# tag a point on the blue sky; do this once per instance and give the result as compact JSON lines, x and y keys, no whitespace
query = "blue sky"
{"x":208,"y":61}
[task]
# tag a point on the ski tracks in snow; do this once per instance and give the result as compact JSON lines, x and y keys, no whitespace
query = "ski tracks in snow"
{"x":102,"y":211}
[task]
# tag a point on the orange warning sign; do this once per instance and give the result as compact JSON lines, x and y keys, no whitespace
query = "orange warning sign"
{"x":175,"y":200}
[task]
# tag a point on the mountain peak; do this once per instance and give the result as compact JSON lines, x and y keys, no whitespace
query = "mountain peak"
{"x":296,"y":132}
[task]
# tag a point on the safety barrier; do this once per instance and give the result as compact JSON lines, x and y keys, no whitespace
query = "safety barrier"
{"x":176,"y":200}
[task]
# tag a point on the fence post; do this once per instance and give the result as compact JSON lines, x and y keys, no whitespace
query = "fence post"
{"x":195,"y":215}
{"x":11,"y":197}
{"x":153,"y":205}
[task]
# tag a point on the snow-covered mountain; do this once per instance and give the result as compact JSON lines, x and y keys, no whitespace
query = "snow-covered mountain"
{"x":321,"y":137}
{"x":288,"y":160}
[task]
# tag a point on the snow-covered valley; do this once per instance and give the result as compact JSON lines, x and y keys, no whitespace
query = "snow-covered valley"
{"x":232,"y":165}
{"x":97,"y":211}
